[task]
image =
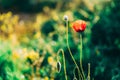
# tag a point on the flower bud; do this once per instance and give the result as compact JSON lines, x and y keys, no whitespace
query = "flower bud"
{"x":74,"y":78}
{"x":58,"y":66}
{"x":65,"y":17}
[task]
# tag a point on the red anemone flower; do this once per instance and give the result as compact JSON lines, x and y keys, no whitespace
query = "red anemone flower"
{"x":79,"y":25}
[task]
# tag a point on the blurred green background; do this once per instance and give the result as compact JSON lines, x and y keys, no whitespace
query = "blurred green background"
{"x":32,"y":31}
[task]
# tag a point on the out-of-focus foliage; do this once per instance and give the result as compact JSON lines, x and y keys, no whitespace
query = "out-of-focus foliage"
{"x":106,"y":41}
{"x":8,"y":68}
{"x":26,"y":5}
{"x":31,"y":55}
{"x":29,"y":42}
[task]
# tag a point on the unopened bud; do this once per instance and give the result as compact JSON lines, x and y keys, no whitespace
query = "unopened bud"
{"x":74,"y":78}
{"x":65,"y":17}
{"x":58,"y":66}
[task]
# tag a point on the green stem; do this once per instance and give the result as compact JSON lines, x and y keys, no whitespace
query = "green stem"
{"x":81,"y":56}
{"x":88,"y":71}
{"x":80,"y":75}
{"x":61,"y":50}
{"x":74,"y":72}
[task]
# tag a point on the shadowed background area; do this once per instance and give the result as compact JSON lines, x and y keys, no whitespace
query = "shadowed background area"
{"x":32,"y":31}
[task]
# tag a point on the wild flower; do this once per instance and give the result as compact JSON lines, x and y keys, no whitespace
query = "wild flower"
{"x":78,"y":26}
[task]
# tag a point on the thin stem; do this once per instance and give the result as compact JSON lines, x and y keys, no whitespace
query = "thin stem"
{"x":81,"y":56}
{"x":74,"y":72}
{"x":88,"y":71}
{"x":61,"y":50}
{"x":80,"y":76}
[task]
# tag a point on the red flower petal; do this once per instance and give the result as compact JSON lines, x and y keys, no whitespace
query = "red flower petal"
{"x":79,"y":25}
